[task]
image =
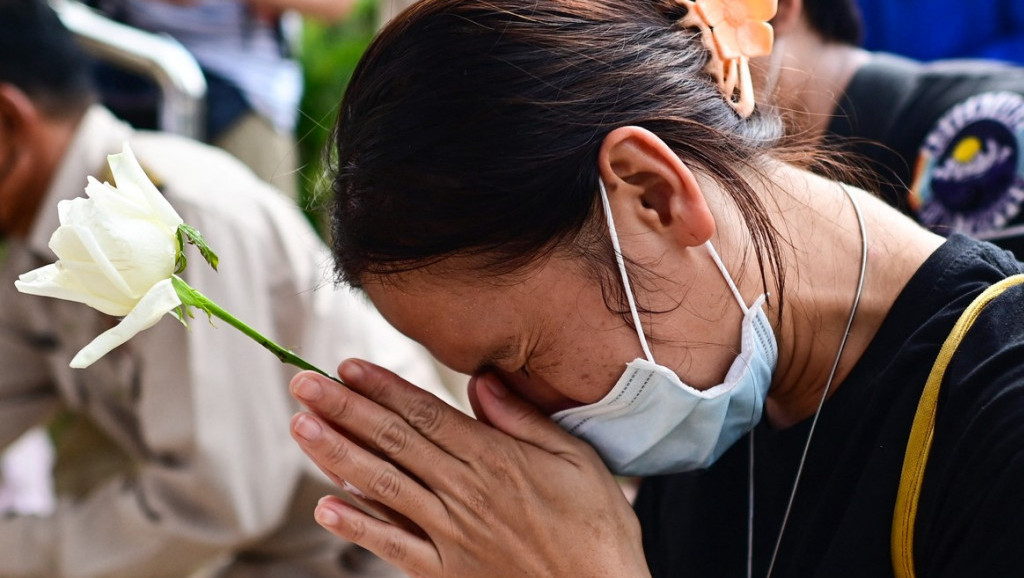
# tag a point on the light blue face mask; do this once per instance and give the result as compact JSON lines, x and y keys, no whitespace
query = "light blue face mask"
{"x":653,"y":423}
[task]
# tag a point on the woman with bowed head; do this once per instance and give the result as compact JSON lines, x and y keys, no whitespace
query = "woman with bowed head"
{"x":579,"y":203}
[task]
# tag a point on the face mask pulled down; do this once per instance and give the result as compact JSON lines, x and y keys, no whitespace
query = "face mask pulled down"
{"x":652,"y":423}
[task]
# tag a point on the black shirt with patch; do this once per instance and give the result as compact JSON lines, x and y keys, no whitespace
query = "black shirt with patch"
{"x":969,"y":117}
{"x":970,"y":521}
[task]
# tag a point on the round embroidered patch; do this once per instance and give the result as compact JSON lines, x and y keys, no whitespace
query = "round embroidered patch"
{"x":970,"y":173}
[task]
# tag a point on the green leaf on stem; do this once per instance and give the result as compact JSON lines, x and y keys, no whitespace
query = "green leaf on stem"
{"x":183,"y":313}
{"x":188,"y":233}
{"x":180,"y":260}
{"x":190,"y":297}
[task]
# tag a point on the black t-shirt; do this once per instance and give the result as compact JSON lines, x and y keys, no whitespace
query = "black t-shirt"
{"x":946,"y":139}
{"x":970,"y":521}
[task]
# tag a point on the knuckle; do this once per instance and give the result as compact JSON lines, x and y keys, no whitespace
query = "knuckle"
{"x":356,"y":531}
{"x":386,"y":484}
{"x":393,"y":548}
{"x":506,"y":467}
{"x":336,"y":453}
{"x":340,"y":408}
{"x":390,"y":436}
{"x":478,"y":502}
{"x":506,"y":462}
{"x":425,"y":416}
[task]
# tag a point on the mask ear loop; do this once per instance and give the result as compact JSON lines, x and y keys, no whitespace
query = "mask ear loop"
{"x":622,"y":271}
{"x":725,"y":273}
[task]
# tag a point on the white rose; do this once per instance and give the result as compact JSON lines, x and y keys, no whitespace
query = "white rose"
{"x":116,"y":253}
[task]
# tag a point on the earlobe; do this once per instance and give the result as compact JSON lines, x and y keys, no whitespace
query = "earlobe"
{"x":650,"y":188}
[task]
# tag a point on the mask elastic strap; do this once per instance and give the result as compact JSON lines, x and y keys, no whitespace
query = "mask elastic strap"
{"x":725,"y":273}
{"x":622,"y":271}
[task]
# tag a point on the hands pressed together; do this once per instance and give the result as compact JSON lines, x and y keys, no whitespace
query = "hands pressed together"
{"x":510,"y":495}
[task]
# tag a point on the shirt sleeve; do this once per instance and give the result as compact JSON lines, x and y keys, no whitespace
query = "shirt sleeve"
{"x":27,"y":393}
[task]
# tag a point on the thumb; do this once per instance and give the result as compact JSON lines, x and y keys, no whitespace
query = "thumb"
{"x":512,"y":415}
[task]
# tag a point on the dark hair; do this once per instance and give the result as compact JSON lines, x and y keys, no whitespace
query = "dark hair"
{"x":836,"y":20}
{"x":40,"y":57}
{"x":471,"y":128}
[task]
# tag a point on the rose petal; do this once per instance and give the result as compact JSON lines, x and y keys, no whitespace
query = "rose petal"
{"x":66,"y":245}
{"x":160,"y":300}
{"x":53,"y":281}
{"x":130,"y":177}
{"x":139,"y":247}
{"x":114,"y":200}
{"x":96,"y":290}
{"x":96,"y":254}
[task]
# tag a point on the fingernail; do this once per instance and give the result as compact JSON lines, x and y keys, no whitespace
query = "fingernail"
{"x":308,"y":389}
{"x":351,"y":371}
{"x":495,"y":385}
{"x":326,"y":516}
{"x":348,"y":487}
{"x":307,"y":428}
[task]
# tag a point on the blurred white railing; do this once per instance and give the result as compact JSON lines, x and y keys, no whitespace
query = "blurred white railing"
{"x":159,"y":58}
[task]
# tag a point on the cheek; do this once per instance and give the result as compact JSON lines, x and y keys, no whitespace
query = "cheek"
{"x":596,"y":373}
{"x":579,"y":378}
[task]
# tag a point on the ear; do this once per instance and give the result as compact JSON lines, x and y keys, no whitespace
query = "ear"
{"x":787,"y":16}
{"x":651,"y":190}
{"x":21,"y":178}
{"x":18,"y":114}
{"x":20,"y":122}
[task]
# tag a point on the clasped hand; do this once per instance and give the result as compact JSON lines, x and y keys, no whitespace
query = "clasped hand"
{"x":450,"y":496}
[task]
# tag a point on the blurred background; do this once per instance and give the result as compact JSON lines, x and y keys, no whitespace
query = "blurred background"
{"x":159,"y":66}
{"x":328,"y":54}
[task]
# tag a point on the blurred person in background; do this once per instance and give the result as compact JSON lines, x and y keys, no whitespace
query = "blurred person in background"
{"x":388,"y":9}
{"x":26,"y":480}
{"x":938,"y":29}
{"x":945,"y":140}
{"x":246,"y":52}
{"x":173,"y":451}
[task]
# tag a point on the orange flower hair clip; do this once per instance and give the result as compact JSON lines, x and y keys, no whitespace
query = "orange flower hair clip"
{"x":733,"y":31}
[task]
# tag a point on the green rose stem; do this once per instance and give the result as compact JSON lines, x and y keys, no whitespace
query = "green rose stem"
{"x":192,"y":298}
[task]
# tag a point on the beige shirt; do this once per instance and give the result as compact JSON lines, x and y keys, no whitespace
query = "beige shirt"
{"x":202,"y":414}
{"x":388,"y":9}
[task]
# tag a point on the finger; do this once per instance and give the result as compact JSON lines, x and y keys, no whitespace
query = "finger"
{"x":411,"y":553}
{"x":355,"y":496}
{"x":474,"y":400}
{"x":521,"y":420}
{"x":450,"y":429}
{"x":377,"y":428}
{"x":344,"y":460}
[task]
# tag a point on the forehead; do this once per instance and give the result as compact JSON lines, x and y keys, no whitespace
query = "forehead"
{"x":467,"y":322}
{"x":462,"y":323}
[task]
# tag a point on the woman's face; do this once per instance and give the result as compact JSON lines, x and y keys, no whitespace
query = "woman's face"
{"x":549,"y":333}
